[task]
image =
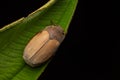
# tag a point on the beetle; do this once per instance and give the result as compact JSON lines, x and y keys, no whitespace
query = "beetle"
{"x":43,"y":45}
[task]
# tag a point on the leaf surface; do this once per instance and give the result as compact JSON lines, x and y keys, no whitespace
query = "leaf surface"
{"x":15,"y":36}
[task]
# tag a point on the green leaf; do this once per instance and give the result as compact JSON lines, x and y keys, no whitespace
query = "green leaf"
{"x":15,"y":36}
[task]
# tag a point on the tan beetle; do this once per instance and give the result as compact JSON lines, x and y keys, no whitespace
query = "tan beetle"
{"x":43,"y":45}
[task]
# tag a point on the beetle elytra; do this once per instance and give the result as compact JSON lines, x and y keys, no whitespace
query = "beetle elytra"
{"x":43,"y":45}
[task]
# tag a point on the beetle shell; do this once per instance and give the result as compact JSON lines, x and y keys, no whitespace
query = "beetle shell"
{"x":43,"y":45}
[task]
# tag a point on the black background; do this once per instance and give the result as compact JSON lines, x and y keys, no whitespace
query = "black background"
{"x":85,"y":52}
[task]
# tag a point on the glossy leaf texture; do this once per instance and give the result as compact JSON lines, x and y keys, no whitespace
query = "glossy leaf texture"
{"x":15,"y":36}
